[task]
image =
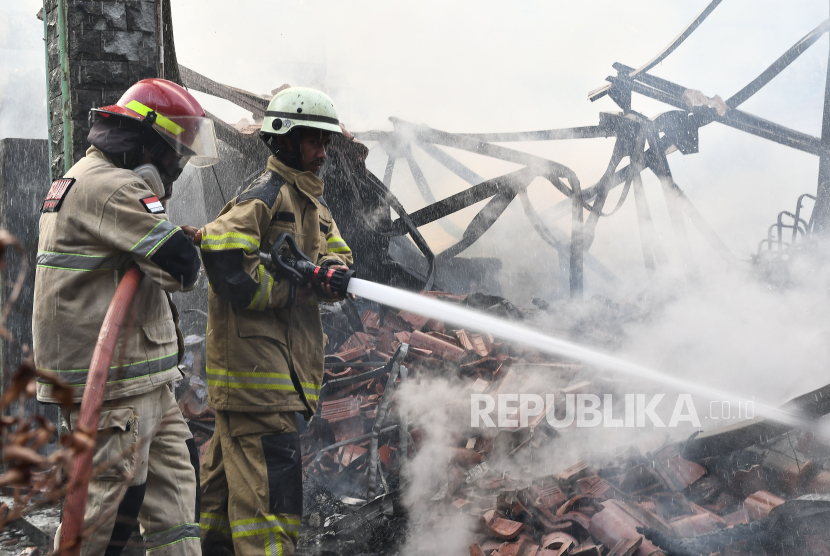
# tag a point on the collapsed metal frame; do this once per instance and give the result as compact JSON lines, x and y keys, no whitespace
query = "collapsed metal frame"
{"x":646,"y":142}
{"x":803,"y":229}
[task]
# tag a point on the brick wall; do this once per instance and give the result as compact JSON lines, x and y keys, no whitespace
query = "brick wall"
{"x":111,"y":45}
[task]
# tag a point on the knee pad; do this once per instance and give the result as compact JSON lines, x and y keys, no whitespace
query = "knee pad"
{"x":285,"y":472}
{"x":194,"y":461}
{"x":126,"y":519}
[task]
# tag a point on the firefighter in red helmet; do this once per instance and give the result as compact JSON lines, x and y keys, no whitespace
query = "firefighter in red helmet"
{"x":104,"y":215}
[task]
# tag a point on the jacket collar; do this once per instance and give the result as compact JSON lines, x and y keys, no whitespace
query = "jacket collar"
{"x":93,"y":152}
{"x":307,"y":182}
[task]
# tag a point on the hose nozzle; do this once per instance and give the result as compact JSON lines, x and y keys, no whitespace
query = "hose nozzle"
{"x":301,"y":271}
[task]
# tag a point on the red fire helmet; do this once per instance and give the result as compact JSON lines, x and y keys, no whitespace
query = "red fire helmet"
{"x":174,"y":114}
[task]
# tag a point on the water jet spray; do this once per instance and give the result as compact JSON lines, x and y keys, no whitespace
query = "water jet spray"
{"x":301,"y":271}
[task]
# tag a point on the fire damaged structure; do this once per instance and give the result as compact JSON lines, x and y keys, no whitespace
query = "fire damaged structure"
{"x":645,"y":141}
{"x":756,"y":487}
{"x":749,"y":488}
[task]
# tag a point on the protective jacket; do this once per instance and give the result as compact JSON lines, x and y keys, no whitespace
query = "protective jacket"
{"x":255,"y":342}
{"x":95,"y":222}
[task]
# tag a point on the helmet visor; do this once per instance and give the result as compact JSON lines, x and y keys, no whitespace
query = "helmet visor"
{"x":194,"y":138}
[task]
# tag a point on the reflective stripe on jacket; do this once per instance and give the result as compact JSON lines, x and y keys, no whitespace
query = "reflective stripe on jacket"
{"x":253,"y":341}
{"x":100,"y":228}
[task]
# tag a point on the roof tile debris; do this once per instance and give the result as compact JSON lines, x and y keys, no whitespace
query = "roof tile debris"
{"x":650,"y":498}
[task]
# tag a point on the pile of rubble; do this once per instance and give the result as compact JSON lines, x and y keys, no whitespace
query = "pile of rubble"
{"x":746,"y":489}
{"x":711,"y":494}
{"x":653,"y":502}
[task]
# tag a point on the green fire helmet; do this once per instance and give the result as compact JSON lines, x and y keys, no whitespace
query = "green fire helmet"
{"x":300,"y":107}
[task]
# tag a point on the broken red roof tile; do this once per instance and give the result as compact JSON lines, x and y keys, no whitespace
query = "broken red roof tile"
{"x":449,"y":339}
{"x":385,"y":455}
{"x":696,"y":525}
{"x":346,"y":371}
{"x":403,"y":337}
{"x":586,"y":549}
{"x":465,"y":458}
{"x":760,"y":503}
{"x":504,"y":529}
{"x":380,"y":356}
{"x":677,"y":472}
{"x":550,"y":497}
{"x":437,"y":346}
{"x":509,"y":549}
{"x":354,"y":353}
{"x":358,"y":340}
{"x":336,"y":410}
{"x":464,"y":339}
{"x":577,"y":522}
{"x":594,"y":485}
{"x":626,"y":547}
{"x":482,"y":344}
{"x":737,"y":518}
{"x":491,"y":544}
{"x":562,"y":542}
{"x":350,"y":453}
{"x":475,"y":550}
{"x":370,"y":320}
{"x":619,"y":521}
{"x":393,"y":323}
{"x":417,"y":322}
{"x":436,"y":325}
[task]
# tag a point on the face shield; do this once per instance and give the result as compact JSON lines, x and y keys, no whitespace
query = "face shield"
{"x":192,"y":137}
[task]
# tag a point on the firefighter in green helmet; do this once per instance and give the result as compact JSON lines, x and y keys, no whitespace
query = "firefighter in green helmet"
{"x":265,"y":338}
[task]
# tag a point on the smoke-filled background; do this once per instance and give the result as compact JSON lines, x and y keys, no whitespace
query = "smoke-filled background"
{"x":487,"y":66}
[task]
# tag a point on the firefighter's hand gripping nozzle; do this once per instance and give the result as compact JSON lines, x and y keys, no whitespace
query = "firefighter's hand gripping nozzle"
{"x":301,"y":271}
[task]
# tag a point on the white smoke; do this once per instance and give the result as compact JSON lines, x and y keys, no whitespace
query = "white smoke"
{"x":22,"y":71}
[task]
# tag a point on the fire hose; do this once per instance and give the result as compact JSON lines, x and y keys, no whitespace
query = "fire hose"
{"x":76,"y":498}
{"x":300,"y":271}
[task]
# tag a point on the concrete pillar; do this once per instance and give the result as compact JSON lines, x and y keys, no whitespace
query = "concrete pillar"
{"x":108,"y":45}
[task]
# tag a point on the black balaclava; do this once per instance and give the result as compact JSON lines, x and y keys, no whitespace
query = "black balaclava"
{"x":118,"y":138}
{"x":124,"y":142}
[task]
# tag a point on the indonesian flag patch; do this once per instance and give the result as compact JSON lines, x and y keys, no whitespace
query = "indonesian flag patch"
{"x":57,"y":192}
{"x":152,"y":204}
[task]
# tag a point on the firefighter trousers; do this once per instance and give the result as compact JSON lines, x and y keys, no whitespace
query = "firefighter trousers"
{"x":145,"y":469}
{"x":252,"y":485}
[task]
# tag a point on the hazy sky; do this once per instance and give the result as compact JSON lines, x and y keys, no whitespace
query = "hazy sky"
{"x":492,"y":66}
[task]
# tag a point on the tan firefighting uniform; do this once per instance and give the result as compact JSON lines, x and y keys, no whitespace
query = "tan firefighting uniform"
{"x":252,"y":475}
{"x":90,"y":232}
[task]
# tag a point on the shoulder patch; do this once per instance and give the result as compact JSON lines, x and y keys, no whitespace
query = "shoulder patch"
{"x":57,"y":192}
{"x":152,"y":205}
{"x":265,"y":188}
